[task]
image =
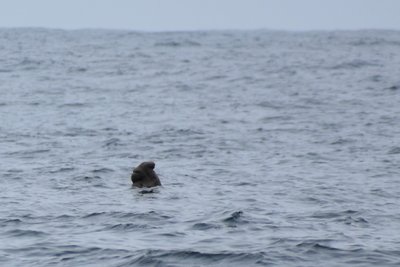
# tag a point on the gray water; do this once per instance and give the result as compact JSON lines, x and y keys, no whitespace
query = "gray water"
{"x":273,"y":148}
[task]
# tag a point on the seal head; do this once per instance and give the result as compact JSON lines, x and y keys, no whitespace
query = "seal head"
{"x":144,"y":175}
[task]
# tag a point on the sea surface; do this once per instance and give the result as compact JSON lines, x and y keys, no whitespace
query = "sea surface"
{"x":273,"y":148}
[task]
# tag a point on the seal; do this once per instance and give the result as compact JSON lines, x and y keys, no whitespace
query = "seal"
{"x":144,"y":175}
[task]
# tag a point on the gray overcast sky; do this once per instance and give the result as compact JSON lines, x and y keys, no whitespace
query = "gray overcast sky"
{"x":161,"y":15}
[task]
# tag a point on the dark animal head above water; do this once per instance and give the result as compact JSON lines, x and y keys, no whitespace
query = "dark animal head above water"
{"x":144,"y":175}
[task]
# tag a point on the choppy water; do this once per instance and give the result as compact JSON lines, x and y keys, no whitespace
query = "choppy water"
{"x":274,"y":148}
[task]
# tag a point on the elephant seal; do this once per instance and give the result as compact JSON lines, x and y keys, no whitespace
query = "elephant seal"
{"x":144,"y":175}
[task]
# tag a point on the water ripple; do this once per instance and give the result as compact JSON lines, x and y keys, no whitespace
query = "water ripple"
{"x":274,"y":148}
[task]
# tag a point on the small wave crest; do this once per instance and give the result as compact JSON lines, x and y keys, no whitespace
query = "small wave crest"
{"x":24,"y":233}
{"x":348,"y":217}
{"x":204,"y":226}
{"x":185,"y":43}
{"x":194,"y":258}
{"x":151,"y":215}
{"x":355,"y":64}
{"x":127,"y":226}
{"x":234,"y":219}
{"x":9,"y":222}
{"x":394,"y":150}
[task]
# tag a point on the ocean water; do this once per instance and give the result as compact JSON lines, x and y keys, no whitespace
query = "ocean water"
{"x":273,"y":148}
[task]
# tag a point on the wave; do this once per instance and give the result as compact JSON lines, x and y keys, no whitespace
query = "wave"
{"x":194,"y":258}
{"x":205,"y":226}
{"x":355,"y":64}
{"x":128,"y":226}
{"x":374,"y":42}
{"x":334,"y":214}
{"x":112,"y":142}
{"x":354,"y":255}
{"x":234,"y":219}
{"x":151,"y":215}
{"x":186,"y":43}
{"x":102,"y":170}
{"x":394,"y":150}
{"x":6,"y":222}
{"x":75,"y":105}
{"x":20,"y":233}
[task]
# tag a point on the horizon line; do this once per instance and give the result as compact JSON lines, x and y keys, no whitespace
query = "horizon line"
{"x":201,"y":30}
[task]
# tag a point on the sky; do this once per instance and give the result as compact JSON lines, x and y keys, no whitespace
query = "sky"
{"x":183,"y":15}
